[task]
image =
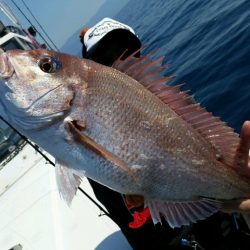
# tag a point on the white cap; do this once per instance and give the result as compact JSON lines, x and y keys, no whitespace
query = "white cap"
{"x":97,"y":32}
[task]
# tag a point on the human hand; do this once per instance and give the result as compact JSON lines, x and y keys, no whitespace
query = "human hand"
{"x":243,"y":167}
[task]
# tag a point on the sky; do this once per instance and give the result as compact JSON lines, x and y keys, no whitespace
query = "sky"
{"x":60,"y":18}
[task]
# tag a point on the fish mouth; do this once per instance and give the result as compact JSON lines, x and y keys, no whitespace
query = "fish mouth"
{"x":6,"y":69}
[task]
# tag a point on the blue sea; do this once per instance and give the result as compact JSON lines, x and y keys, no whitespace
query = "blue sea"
{"x":206,"y":43}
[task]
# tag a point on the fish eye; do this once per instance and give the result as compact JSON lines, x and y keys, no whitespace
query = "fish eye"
{"x":49,"y":64}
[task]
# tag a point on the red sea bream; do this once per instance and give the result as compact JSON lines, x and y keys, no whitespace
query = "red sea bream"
{"x":126,"y":129}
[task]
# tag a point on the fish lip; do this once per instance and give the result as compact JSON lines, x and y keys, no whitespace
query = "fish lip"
{"x":6,"y":69}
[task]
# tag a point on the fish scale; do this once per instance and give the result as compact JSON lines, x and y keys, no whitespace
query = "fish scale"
{"x":138,"y":115}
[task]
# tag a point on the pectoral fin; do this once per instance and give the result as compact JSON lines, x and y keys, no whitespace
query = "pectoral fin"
{"x":67,"y":181}
{"x":98,"y":149}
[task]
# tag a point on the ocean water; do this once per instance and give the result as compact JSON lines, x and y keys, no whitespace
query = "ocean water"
{"x":206,"y":43}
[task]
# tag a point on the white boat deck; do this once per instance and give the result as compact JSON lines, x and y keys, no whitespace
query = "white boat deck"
{"x":33,"y":215}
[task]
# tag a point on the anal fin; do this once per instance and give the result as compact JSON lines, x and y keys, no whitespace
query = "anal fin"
{"x":178,"y":214}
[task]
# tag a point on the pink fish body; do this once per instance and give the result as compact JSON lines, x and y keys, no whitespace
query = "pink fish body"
{"x":135,"y":136}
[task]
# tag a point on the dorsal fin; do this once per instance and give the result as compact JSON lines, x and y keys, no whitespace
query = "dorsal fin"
{"x":147,"y":72}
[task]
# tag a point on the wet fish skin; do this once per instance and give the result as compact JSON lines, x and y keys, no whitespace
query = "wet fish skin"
{"x":166,"y":159}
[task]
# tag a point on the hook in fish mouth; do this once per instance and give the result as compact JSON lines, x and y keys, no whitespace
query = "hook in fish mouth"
{"x":6,"y":69}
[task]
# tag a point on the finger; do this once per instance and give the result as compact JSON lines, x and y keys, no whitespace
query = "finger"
{"x":242,"y":154}
{"x":245,"y":138}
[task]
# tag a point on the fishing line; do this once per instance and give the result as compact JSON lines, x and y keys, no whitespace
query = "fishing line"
{"x":31,"y":24}
{"x":46,"y":34}
{"x":53,"y":164}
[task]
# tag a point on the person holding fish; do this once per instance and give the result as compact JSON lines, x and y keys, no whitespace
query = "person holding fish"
{"x":124,"y":128}
{"x":107,"y":40}
{"x":103,"y":45}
